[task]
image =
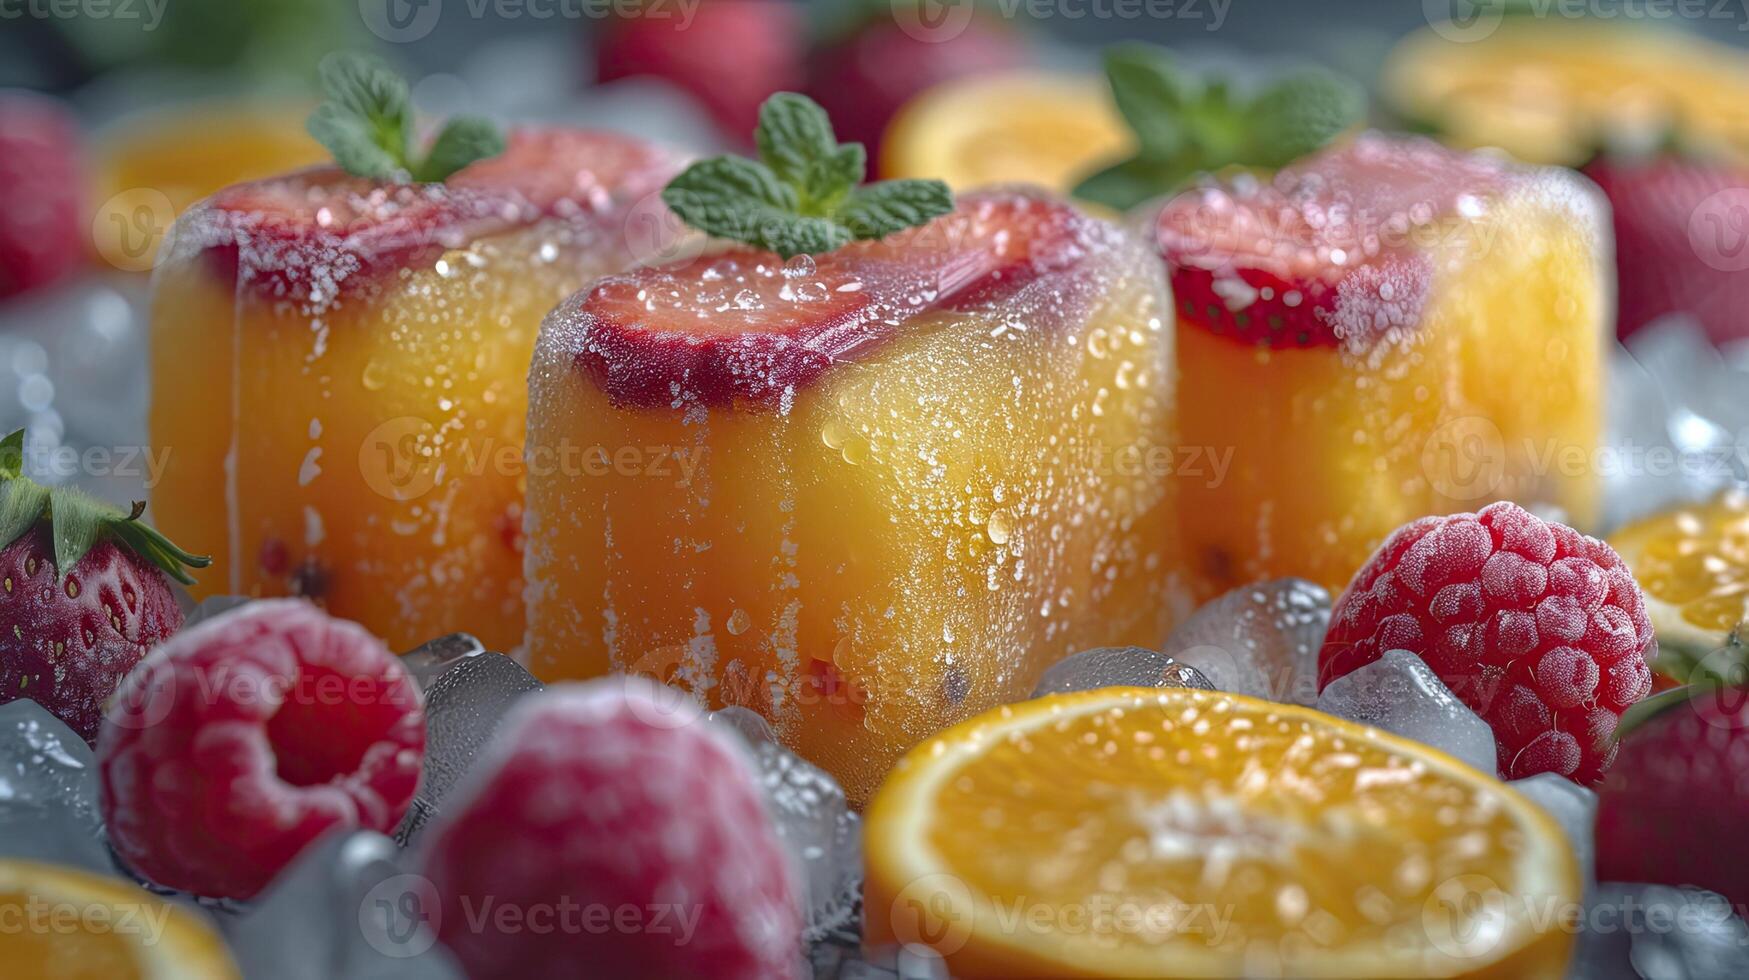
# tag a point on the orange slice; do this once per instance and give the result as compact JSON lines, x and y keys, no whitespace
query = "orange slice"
{"x":1693,"y":564}
{"x":1039,"y":128}
{"x":1130,"y":832}
{"x":60,"y":924}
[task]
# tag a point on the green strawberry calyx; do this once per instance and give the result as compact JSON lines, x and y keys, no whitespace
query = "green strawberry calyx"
{"x":78,"y":521}
{"x":1186,"y":124}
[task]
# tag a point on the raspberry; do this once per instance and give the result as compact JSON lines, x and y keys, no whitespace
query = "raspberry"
{"x":241,"y":740}
{"x":629,"y":828}
{"x":1539,"y":629}
{"x":42,"y":224}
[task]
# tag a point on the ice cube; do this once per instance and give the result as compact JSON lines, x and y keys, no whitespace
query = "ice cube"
{"x":1118,"y":667}
{"x":346,"y":909}
{"x":1402,"y":695}
{"x":429,"y":661}
{"x":1574,"y":807}
{"x":462,"y":709}
{"x":813,"y":820}
{"x":1657,"y":932}
{"x":212,"y":606}
{"x":1260,"y":640}
{"x":48,"y":791}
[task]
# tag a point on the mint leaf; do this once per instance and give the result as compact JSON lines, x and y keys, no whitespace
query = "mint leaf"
{"x":879,"y":210}
{"x":1186,"y":125}
{"x":12,"y":457}
{"x":367,"y":124}
{"x":802,"y":195}
{"x":463,"y":140}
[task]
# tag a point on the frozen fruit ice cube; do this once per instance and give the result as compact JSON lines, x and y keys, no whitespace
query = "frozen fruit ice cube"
{"x":1635,"y":931}
{"x":813,"y":820}
{"x":866,"y":493}
{"x":1261,"y":640}
{"x":463,"y":708}
{"x":1384,"y":330}
{"x":339,"y":374}
{"x":1400,"y":694}
{"x":48,"y":791}
{"x":1118,"y":667}
{"x":1574,"y":807}
{"x":348,"y":909}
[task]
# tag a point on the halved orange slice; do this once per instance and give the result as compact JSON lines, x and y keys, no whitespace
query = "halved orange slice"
{"x":1692,"y":562}
{"x":1132,"y":832}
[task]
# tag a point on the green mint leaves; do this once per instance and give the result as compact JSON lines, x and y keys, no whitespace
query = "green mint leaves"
{"x":78,"y":521}
{"x":367,"y":123}
{"x":1186,"y":125}
{"x":804,"y":195}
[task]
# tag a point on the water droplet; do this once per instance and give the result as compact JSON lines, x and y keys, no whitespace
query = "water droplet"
{"x":799,"y":267}
{"x":738,"y":622}
{"x":374,"y":378}
{"x":999,"y":527}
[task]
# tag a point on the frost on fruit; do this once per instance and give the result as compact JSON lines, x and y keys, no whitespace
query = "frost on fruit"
{"x":865,"y":498}
{"x":339,"y":374}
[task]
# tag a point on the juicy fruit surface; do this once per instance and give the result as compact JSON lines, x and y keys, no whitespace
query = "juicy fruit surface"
{"x":1548,"y":90}
{"x":905,"y":537}
{"x":1693,"y":564}
{"x":1338,"y":400}
{"x":248,"y":736}
{"x":1675,"y":241}
{"x":115,"y":934}
{"x":1338,"y":850}
{"x":1673,"y":807}
{"x":616,"y":795}
{"x":42,"y":224}
{"x":369,"y":374}
{"x":1539,"y":629}
{"x":67,"y":644}
{"x":1045,"y":129}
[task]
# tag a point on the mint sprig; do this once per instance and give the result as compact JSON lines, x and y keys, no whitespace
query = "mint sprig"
{"x":804,"y":195}
{"x":367,"y":124}
{"x":1186,"y":125}
{"x":78,"y":521}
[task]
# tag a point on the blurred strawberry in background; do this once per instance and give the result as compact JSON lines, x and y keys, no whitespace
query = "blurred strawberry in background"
{"x":883,"y":52}
{"x":730,"y":54}
{"x":41,"y":195}
{"x":1681,"y":240}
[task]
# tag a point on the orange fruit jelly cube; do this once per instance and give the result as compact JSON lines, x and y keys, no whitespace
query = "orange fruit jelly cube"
{"x":1386,"y":330}
{"x":867,"y":493}
{"x":338,"y":372}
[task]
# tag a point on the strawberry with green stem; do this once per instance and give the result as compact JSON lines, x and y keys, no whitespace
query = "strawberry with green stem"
{"x":1186,"y":125}
{"x":84,"y":593}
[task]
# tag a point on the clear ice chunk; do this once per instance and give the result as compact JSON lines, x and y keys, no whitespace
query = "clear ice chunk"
{"x":1402,"y":695}
{"x":462,"y":709}
{"x":1118,"y":667}
{"x":1574,"y":807}
{"x":431,"y":660}
{"x":1261,"y":640}
{"x":813,"y":820}
{"x":1658,"y":932}
{"x":346,"y":909}
{"x":48,"y":791}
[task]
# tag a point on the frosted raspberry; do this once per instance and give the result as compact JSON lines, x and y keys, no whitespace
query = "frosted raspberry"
{"x":614,"y":796}
{"x":243,"y":739}
{"x":1539,"y":629}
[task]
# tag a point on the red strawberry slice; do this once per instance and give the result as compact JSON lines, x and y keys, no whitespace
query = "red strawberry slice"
{"x":1681,"y":241}
{"x":310,"y":234}
{"x":1323,"y":254}
{"x":744,"y":326}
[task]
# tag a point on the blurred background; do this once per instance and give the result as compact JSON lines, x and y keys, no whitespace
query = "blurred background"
{"x":117,"y":115}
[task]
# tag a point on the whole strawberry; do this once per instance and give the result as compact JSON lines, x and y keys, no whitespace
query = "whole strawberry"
{"x":84,"y":593}
{"x":1673,"y":809}
{"x":1681,"y":241}
{"x":42,"y":231}
{"x":1539,"y":629}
